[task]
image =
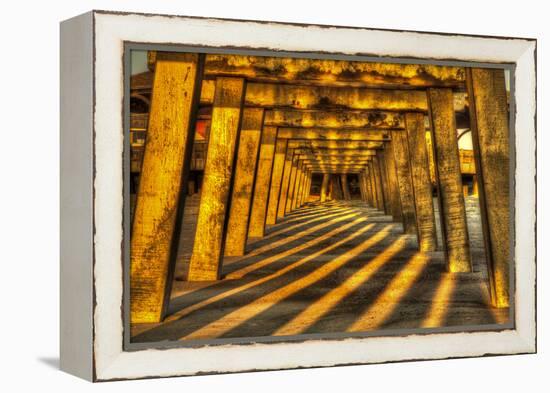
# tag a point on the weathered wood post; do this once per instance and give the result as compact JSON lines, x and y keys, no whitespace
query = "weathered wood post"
{"x":324,"y":187}
{"x":301,"y":188}
{"x":160,"y":198}
{"x":393,"y":186}
{"x":345,"y":186}
{"x":307,"y":178}
{"x":452,"y":211}
{"x":336,"y":188}
{"x":372,"y":182}
{"x":206,"y":260}
{"x":384,"y":181}
{"x":243,"y":183}
{"x":297,"y":183}
{"x":285,"y":183}
{"x":291,"y":184}
{"x":404,"y":179}
{"x":276,"y":181}
{"x":256,"y":228}
{"x":378,"y":184}
{"x":491,"y":142}
{"x":475,"y":189}
{"x":370,"y":192}
{"x":362,"y":190}
{"x":420,"y":171}
{"x":308,"y":189}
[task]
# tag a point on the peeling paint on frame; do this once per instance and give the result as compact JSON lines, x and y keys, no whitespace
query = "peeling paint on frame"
{"x":112,"y":30}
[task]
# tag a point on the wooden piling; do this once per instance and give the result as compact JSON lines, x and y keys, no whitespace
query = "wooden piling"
{"x":298,"y":182}
{"x":243,"y":183}
{"x":452,"y":211}
{"x":285,"y":183}
{"x":403,"y":169}
{"x":276,"y":180}
{"x":393,"y":184}
{"x":175,"y":94}
{"x":384,"y":181}
{"x":374,"y":190}
{"x":368,"y":187}
{"x":491,"y":142}
{"x":256,"y":228}
{"x":206,"y":260}
{"x":420,"y":171}
{"x":324,"y":187}
{"x":378,"y":184}
{"x":291,"y":185}
{"x":345,"y":187}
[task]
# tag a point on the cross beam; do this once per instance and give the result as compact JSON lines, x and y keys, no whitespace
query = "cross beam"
{"x":317,"y":144}
{"x":334,"y":119}
{"x":333,"y":134}
{"x":331,"y":72}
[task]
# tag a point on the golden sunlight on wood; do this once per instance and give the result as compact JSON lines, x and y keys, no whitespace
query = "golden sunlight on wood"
{"x":275,"y":196}
{"x":439,"y":307}
{"x":226,"y":323}
{"x":324,"y":304}
{"x":392,"y":295}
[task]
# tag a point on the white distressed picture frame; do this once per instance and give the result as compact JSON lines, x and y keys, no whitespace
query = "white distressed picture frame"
{"x":92,"y":154}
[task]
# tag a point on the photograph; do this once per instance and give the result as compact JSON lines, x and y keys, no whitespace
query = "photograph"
{"x":284,"y":198}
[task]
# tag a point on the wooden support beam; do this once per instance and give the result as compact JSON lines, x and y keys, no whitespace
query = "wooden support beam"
{"x":490,"y":136}
{"x":161,"y":193}
{"x":365,"y":101}
{"x":276,"y":180}
{"x":330,"y":192}
{"x":338,"y":187}
{"x":334,"y":72}
{"x":206,"y":260}
{"x":298,"y":181}
{"x":330,"y":98}
{"x":301,"y":199}
{"x":404,"y":180}
{"x":299,"y":187}
{"x":291,"y":185}
{"x":305,"y":187}
{"x":308,"y":187}
{"x":334,"y":153}
{"x":345,"y":187}
{"x":285,"y":183}
{"x":362,"y":187}
{"x":366,"y":190}
{"x":370,"y":186}
{"x":334,"y":119}
{"x":339,"y":145}
{"x":344,"y":161}
{"x":393,"y":185}
{"x":324,"y":187}
{"x":452,"y":211}
{"x":338,"y":168}
{"x":243,"y":182}
{"x":380,"y":197}
{"x":256,"y":228}
{"x":330,"y":134}
{"x":384,"y":180}
{"x":420,"y":172}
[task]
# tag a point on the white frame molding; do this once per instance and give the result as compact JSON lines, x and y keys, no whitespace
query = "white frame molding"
{"x":102,"y":296}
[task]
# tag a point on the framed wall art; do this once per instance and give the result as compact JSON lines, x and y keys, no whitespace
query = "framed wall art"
{"x":245,"y":195}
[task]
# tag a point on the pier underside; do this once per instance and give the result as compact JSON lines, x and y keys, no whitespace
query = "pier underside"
{"x":330,"y":267}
